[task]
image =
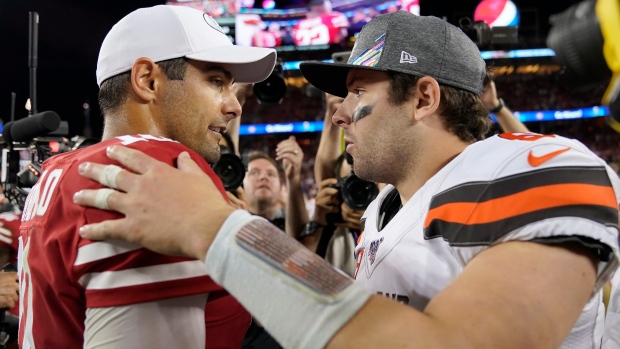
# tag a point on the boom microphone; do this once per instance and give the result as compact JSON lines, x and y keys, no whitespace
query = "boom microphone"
{"x":26,"y":129}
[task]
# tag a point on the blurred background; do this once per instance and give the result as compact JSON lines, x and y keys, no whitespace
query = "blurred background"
{"x":511,"y":35}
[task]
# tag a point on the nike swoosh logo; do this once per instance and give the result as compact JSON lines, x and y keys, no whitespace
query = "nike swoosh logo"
{"x":536,"y":161}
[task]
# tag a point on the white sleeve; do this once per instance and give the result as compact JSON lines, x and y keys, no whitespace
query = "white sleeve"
{"x":170,"y":323}
{"x":611,"y":338}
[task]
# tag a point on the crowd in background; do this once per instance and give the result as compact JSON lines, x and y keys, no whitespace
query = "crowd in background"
{"x":521,"y":92}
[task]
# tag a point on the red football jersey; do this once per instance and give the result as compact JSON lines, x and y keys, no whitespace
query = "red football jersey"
{"x":322,"y":30}
{"x":61,"y":274}
{"x":9,"y":233}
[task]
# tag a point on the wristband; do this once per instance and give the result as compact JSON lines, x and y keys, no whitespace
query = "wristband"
{"x":498,"y":107}
{"x":282,"y":283}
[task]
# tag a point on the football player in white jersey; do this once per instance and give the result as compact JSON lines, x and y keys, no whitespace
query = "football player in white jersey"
{"x":497,"y":243}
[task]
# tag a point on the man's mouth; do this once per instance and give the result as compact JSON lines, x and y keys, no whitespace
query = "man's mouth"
{"x":216,"y":129}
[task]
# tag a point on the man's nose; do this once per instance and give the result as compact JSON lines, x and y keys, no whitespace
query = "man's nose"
{"x":342,"y":116}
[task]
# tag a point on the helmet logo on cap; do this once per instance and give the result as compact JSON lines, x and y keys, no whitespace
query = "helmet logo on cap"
{"x":212,"y":23}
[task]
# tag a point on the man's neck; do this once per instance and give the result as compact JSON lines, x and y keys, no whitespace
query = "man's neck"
{"x":264,"y":209}
{"x":427,"y":167}
{"x":128,"y":121}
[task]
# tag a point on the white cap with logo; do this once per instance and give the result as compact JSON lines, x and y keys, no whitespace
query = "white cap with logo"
{"x":165,"y":32}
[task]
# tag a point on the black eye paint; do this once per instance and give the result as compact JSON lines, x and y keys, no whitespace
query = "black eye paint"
{"x":361,"y":113}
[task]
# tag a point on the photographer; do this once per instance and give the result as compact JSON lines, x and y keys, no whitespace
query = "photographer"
{"x":335,"y":227}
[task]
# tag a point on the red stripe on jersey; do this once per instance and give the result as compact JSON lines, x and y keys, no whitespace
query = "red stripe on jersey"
{"x":149,"y":292}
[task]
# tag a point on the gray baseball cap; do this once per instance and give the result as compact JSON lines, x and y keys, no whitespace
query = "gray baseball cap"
{"x":403,"y":42}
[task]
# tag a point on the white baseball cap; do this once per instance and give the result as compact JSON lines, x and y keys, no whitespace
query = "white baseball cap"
{"x":165,"y":32}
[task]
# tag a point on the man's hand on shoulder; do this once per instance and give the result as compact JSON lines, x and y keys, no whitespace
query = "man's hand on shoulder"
{"x":186,"y":228}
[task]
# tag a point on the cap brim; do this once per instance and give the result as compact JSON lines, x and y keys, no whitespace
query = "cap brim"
{"x":329,"y":77}
{"x":248,"y":64}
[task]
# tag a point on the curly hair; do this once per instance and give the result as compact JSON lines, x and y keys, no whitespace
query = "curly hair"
{"x":113,"y":91}
{"x":463,"y":112}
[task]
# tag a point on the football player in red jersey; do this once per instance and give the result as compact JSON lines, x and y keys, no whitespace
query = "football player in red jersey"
{"x":165,"y":75}
{"x":322,"y":25}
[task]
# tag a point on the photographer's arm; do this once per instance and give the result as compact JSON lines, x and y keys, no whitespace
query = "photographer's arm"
{"x":242,"y":92}
{"x":329,"y":146}
{"x":296,"y":215}
{"x":326,"y":202}
{"x":507,"y":121}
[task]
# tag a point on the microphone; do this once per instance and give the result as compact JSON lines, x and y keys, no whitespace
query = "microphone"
{"x":26,"y":129}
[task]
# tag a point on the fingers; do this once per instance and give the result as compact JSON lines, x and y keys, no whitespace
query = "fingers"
{"x":106,"y":230}
{"x":326,"y":182}
{"x":133,"y":159}
{"x":99,"y":198}
{"x":109,"y":175}
{"x":7,"y":302}
{"x":241,"y":194}
{"x":236,"y":202}
{"x":291,"y":148}
{"x":186,"y":164}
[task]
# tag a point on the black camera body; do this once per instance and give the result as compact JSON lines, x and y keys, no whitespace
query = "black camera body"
{"x":480,"y":33}
{"x":230,"y":169}
{"x":356,"y":192}
{"x":272,"y":90}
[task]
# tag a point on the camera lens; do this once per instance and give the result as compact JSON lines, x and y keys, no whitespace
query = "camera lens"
{"x":231,"y":171}
{"x":270,"y":91}
{"x":577,"y":41}
{"x":358,"y":193}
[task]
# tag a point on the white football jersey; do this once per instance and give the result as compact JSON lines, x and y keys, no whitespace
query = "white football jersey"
{"x":515,"y":186}
{"x":611,"y":340}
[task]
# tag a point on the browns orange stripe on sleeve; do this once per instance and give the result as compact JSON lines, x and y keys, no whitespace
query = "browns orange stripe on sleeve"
{"x":481,"y":212}
{"x":527,"y":201}
{"x":482,"y":191}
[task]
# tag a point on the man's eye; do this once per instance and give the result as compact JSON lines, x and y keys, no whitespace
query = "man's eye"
{"x":358,"y":92}
{"x":218,"y":82}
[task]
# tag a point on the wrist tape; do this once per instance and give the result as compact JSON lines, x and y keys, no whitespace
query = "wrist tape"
{"x":300,"y":299}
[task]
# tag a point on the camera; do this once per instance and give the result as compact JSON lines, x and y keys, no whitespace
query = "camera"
{"x":230,"y":169}
{"x":480,"y":32}
{"x":272,"y":90}
{"x":586,"y":42}
{"x":356,"y":192}
{"x":26,"y":144}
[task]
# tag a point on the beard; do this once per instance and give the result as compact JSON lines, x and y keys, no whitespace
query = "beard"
{"x":211,"y":154}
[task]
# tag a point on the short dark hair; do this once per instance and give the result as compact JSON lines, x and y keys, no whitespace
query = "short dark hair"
{"x":463,"y":112}
{"x":113,"y":91}
{"x":257,"y":154}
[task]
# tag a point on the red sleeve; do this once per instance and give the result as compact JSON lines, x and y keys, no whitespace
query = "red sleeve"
{"x":115,"y":273}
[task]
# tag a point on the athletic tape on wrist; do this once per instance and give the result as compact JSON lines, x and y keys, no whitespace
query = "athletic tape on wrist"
{"x":296,"y":295}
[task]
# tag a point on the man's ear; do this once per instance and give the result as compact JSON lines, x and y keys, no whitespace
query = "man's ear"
{"x":145,"y":78}
{"x":428,"y":96}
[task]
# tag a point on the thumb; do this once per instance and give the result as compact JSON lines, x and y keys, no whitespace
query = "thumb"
{"x":186,"y":164}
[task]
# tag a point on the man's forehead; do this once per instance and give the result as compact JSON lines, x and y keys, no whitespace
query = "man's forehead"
{"x":224,"y":68}
{"x":262,"y":163}
{"x":360,"y":75}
